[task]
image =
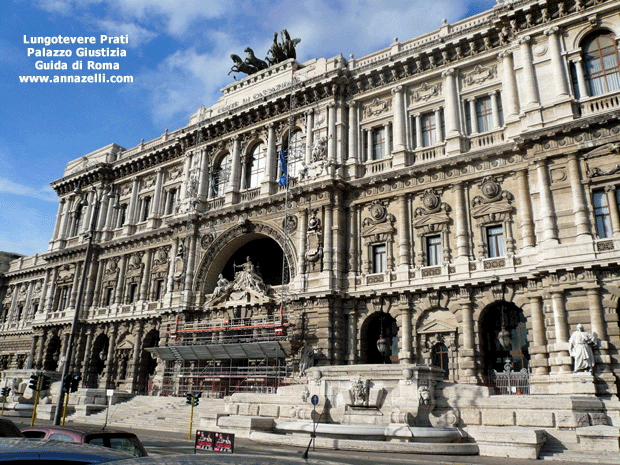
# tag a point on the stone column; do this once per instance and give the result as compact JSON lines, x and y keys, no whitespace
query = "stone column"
{"x":40,"y":350}
{"x":133,"y":202}
{"x":331,"y":134}
{"x":353,"y":233}
{"x":538,"y":349}
{"x":328,"y":252}
{"x":146,"y":276}
{"x":406,"y":353}
{"x":613,"y":209}
{"x":96,"y":298}
{"x":368,"y":145}
{"x":94,"y":271}
{"x":137,"y":349}
{"x":353,"y":154}
{"x":62,"y":234}
{"x":560,"y":324}
{"x":173,"y":254}
{"x":530,"y":94}
{"x":191,"y":258}
{"x":468,"y":361}
{"x":451,"y":105}
{"x":303,"y":228}
{"x":121,"y":281}
{"x":581,"y":77}
{"x":509,"y":86}
{"x":309,"y":135}
{"x":439,"y":137}
{"x":109,"y":217}
{"x":597,"y":314}
{"x":186,"y":169}
{"x":580,"y":209}
{"x":49,"y":300}
{"x":388,"y":141}
{"x":341,"y":136}
{"x":352,"y":345}
{"x":109,"y":369}
{"x":404,"y":236}
{"x":557,"y":66}
{"x":547,"y":212}
{"x":44,"y":290}
{"x":528,"y":236}
{"x":76,"y":283}
{"x":233,"y":183}
{"x":156,"y":208}
{"x":59,"y":215}
{"x":495,"y":109}
{"x":271,"y":160}
{"x":399,"y":119}
{"x":203,"y":179}
{"x":473,"y":116}
{"x":462,"y":227}
{"x":87,"y":355}
{"x":90,"y":198}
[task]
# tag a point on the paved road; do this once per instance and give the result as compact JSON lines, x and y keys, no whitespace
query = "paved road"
{"x":164,"y":443}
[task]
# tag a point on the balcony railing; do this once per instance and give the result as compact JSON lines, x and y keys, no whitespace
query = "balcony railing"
{"x":600,"y":104}
{"x":487,"y":139}
{"x":378,"y":166}
{"x":430,"y":153}
{"x":250,"y":194}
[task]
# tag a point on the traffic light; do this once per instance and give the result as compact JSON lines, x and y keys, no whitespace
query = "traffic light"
{"x":34,"y":382}
{"x":45,"y":383}
{"x":189,"y":398}
{"x":75,"y":382}
{"x":66,"y":383}
{"x":196,"y":398}
{"x":193,"y":398}
{"x":6,"y":391}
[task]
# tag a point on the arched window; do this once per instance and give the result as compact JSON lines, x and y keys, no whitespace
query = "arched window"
{"x":255,"y":167}
{"x":295,"y":154}
{"x":221,"y":175}
{"x":602,"y":64}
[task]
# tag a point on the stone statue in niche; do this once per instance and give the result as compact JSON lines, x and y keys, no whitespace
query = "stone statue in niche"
{"x":306,"y":360}
{"x":580,"y":346}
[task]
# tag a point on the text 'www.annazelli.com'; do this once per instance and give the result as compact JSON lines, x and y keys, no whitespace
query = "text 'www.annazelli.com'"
{"x":77,"y":79}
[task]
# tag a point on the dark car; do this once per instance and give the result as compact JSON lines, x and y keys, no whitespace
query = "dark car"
{"x":23,"y":450}
{"x":112,"y":438}
{"x":8,"y":429}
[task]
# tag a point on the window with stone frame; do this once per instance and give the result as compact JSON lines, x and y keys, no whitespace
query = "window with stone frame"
{"x":295,"y":154}
{"x":62,"y":298}
{"x":132,"y":293}
{"x":145,"y":207}
{"x":108,"y":295}
{"x":221,"y":175}
{"x":122,"y":215}
{"x":433,"y":250}
{"x":159,"y":289}
{"x":171,"y":199}
{"x":255,"y":166}
{"x":378,"y":149}
{"x":78,"y":213}
{"x":495,"y":241}
{"x":601,"y":63}
{"x":602,"y":217}
{"x":432,"y":132}
{"x":379,"y":258}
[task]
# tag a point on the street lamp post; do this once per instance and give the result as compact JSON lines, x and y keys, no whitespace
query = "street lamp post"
{"x":99,"y":192}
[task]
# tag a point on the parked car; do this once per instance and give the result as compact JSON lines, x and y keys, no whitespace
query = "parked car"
{"x":23,"y":450}
{"x":112,"y":438}
{"x":8,"y":429}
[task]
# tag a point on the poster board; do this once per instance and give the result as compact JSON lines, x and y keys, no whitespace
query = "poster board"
{"x":211,"y":441}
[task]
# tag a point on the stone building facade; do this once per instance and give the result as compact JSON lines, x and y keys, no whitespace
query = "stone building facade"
{"x":454,"y":195}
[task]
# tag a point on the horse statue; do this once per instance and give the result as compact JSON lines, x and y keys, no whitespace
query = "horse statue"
{"x":277,"y":52}
{"x":289,"y":44}
{"x":251,"y":60}
{"x":240,"y":66}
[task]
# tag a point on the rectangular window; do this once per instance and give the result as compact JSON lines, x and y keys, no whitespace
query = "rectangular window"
{"x":429,"y":130}
{"x":378,"y":143}
{"x":132,"y":293}
{"x":146,"y":207}
{"x":379,"y":263}
{"x":107,"y":297}
{"x":159,"y":289}
{"x":433,"y":250}
{"x":484,"y":114}
{"x":77,"y":221}
{"x":122,"y":215}
{"x":495,"y":241}
{"x":63,"y":298}
{"x":172,"y":198}
{"x":601,"y":214}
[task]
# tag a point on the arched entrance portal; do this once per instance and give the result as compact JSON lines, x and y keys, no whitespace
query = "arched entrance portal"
{"x":265,"y":254}
{"x":376,"y":325}
{"x":97,"y":361}
{"x":148,"y":363}
{"x":504,"y":337}
{"x":52,"y":354}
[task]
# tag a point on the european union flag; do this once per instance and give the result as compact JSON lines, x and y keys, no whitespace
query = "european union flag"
{"x":284,"y":178}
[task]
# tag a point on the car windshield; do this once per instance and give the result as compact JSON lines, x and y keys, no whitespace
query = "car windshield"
{"x":124,"y":443}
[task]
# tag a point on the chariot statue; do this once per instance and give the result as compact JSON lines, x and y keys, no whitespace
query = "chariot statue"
{"x":279,"y":51}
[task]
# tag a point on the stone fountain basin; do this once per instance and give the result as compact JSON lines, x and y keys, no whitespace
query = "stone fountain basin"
{"x":374,"y":432}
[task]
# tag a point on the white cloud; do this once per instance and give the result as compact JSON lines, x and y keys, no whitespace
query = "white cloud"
{"x":45,"y":193}
{"x":138,"y":36}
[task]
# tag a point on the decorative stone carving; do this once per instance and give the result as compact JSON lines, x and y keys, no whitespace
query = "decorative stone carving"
{"x":149,"y":181}
{"x":377,"y":106}
{"x":161,"y":256}
{"x":425,"y":92}
{"x":289,"y":224}
{"x":314,"y":251}
{"x":206,"y":240}
{"x":479,"y":74}
{"x":175,"y":172}
{"x":359,"y":392}
{"x":306,"y":359}
{"x":247,"y":287}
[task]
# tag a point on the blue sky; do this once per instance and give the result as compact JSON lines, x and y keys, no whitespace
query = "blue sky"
{"x":178,"y":54}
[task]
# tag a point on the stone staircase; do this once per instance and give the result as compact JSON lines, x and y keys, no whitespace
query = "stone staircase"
{"x":154,"y":413}
{"x":564,"y":445}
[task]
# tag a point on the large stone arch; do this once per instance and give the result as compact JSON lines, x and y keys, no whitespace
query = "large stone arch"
{"x":232,"y":239}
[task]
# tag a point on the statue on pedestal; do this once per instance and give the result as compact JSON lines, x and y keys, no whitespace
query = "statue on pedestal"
{"x":580,"y":347}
